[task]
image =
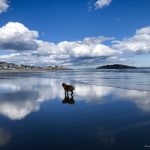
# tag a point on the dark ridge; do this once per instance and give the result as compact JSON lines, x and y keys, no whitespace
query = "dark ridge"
{"x":116,"y":66}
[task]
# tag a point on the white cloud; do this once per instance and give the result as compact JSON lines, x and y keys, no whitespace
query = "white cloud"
{"x":3,"y":6}
{"x":24,"y":47}
{"x":15,"y":36}
{"x":34,"y":58}
{"x":88,"y":47}
{"x":139,"y":43}
{"x":101,"y":3}
{"x":28,"y":49}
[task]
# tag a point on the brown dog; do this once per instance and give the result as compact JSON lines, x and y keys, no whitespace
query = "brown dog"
{"x":68,"y":88}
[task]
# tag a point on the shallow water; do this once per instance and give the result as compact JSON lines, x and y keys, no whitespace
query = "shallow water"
{"x":110,"y":110}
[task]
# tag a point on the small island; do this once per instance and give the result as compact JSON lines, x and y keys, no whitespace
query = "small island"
{"x":4,"y":66}
{"x":116,"y":66}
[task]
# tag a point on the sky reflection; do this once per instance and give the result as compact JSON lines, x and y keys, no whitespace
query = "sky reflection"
{"x":21,"y":96}
{"x":5,"y":136}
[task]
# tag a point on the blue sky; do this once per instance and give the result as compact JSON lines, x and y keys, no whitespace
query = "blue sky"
{"x":63,"y":25}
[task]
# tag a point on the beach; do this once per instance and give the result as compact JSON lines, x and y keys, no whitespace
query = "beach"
{"x":109,"y":110}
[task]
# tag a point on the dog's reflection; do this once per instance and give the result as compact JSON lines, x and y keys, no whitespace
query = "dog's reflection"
{"x":68,"y":99}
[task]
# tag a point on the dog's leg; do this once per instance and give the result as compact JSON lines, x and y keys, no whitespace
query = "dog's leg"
{"x":72,"y":97}
{"x":71,"y":92}
{"x":67,"y":93}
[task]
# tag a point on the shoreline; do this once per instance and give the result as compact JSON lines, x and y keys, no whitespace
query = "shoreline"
{"x":12,"y":71}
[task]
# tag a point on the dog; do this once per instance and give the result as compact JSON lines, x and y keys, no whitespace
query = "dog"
{"x":68,"y":88}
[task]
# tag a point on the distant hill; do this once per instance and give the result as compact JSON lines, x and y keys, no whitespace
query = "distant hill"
{"x":116,"y":66}
{"x":14,"y":67}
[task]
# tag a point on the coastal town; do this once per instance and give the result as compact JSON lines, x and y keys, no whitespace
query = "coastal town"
{"x":4,"y":66}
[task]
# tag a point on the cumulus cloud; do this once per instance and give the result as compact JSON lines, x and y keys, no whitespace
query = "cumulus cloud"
{"x":3,"y":6}
{"x":87,"y":47}
{"x":139,"y":43}
{"x":28,"y":49}
{"x":24,"y":47}
{"x":101,"y":3}
{"x":15,"y":36}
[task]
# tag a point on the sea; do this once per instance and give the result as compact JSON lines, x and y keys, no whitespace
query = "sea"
{"x":109,"y":110}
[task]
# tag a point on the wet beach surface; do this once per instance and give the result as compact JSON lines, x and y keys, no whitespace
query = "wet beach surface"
{"x":109,"y":110}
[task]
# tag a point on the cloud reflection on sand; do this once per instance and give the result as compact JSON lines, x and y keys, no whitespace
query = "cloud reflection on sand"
{"x":21,"y":96}
{"x":5,"y":136}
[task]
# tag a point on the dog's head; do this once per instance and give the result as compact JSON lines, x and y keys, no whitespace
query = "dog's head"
{"x":63,"y":84}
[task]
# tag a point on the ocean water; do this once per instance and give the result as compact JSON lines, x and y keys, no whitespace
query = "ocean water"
{"x":110,"y":110}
